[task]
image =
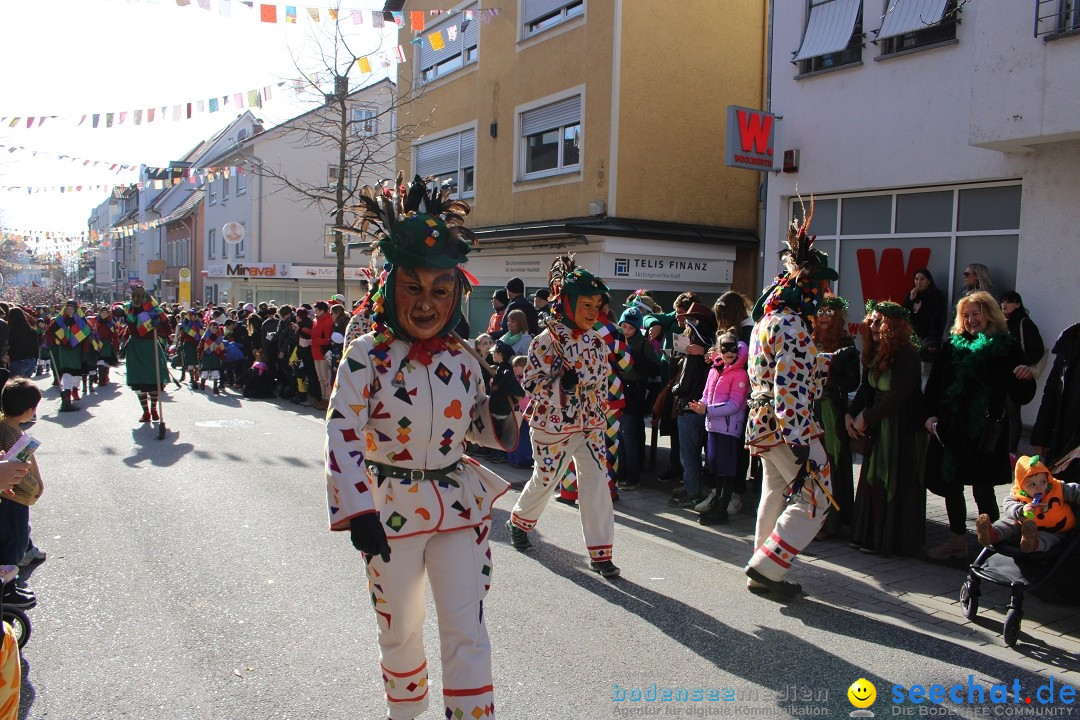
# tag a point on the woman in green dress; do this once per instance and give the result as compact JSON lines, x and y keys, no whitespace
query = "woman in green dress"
{"x":890,"y":506}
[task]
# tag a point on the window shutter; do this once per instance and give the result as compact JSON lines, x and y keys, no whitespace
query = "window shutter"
{"x":829,"y":28}
{"x":427,"y":57}
{"x":468,"y":148}
{"x":536,"y":9}
{"x":564,"y":112}
{"x":438,"y":156}
{"x":905,"y":16}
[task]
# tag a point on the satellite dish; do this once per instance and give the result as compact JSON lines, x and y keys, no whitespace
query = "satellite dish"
{"x":233,"y":232}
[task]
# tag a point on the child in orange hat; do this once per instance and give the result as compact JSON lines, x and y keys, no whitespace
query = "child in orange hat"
{"x":1039,"y":502}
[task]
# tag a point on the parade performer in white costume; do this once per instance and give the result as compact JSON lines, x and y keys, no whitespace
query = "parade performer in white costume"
{"x":566,"y":380}
{"x":786,"y":377}
{"x":407,"y":397}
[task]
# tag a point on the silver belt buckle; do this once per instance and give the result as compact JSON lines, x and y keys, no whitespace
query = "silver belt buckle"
{"x":416,"y":475}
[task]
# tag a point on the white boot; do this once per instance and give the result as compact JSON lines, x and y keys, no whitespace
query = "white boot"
{"x":953,"y":548}
{"x":735,"y":506}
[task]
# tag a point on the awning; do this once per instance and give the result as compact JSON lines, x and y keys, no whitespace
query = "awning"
{"x":905,"y":16}
{"x":829,"y":29}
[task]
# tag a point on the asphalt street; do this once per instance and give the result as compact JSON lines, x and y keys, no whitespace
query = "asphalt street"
{"x":194,"y":577}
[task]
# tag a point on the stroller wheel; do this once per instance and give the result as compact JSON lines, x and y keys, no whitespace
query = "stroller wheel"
{"x":1012,"y":627}
{"x":20,"y":624}
{"x":969,"y":600}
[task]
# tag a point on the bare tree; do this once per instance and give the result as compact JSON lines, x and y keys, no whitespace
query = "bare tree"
{"x":365,"y":146}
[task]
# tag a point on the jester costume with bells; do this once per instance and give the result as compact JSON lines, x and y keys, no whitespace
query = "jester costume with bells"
{"x":407,"y":398}
{"x":69,"y":337}
{"x":143,"y":316}
{"x":786,"y":377}
{"x":566,"y":380}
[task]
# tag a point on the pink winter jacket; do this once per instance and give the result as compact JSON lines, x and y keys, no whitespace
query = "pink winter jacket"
{"x":725,"y":396}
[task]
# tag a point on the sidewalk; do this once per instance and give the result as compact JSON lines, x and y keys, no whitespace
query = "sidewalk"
{"x":912,"y":592}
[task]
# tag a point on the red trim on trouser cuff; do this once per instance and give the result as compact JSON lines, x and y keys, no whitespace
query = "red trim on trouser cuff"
{"x":780,"y":541}
{"x":467,"y":692}
{"x":418,"y":698}
{"x":423,"y":666}
{"x":521,"y":523}
{"x":774,"y":557}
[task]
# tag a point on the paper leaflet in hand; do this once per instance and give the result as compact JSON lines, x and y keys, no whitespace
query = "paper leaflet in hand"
{"x":23,"y":449}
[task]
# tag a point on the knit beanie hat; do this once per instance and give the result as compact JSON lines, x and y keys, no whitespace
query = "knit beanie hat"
{"x":503,"y":349}
{"x":632,"y":316}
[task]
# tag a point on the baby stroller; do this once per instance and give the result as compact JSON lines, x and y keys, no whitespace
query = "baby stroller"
{"x":16,"y":617}
{"x":1006,"y":565}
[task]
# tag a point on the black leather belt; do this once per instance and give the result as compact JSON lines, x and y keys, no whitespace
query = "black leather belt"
{"x":415,"y":474}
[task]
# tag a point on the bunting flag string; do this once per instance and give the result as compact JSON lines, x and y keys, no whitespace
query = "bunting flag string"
{"x":110,"y":166}
{"x":187,"y":109}
{"x":195,"y":176}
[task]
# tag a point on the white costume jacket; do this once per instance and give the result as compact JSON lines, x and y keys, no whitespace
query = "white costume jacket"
{"x":553,"y":410}
{"x":411,"y":416}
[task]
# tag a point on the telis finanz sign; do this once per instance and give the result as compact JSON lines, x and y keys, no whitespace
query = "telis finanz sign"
{"x":750,"y":138}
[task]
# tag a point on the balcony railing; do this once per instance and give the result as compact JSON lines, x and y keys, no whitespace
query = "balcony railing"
{"x":1057,"y":18}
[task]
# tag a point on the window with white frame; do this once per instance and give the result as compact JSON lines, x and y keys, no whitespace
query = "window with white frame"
{"x":241,"y":181}
{"x":540,"y":15}
{"x":910,"y":24}
{"x":365,"y":122}
{"x":239,"y":252}
{"x":450,"y":160}
{"x":211,"y":243}
{"x":332,"y":174}
{"x":551,"y":138}
{"x":224,"y":188}
{"x":330,"y":242}
{"x":211,"y":189}
{"x":833,"y":36}
{"x":458,"y":37}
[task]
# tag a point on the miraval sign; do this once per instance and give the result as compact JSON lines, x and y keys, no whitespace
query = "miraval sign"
{"x":251,"y":270}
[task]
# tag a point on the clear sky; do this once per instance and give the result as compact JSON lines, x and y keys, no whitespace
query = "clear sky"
{"x":76,"y":57}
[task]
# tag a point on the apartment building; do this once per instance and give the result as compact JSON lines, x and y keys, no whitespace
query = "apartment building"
{"x":594,"y":127}
{"x":933,"y":133}
{"x":287,"y":252}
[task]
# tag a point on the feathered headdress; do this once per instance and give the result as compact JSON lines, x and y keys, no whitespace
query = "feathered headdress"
{"x":413,"y":226}
{"x":802,"y":284}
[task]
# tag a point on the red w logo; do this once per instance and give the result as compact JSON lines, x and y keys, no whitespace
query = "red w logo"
{"x":754,"y":131}
{"x":889,"y":280}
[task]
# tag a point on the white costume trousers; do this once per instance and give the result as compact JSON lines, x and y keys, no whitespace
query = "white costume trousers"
{"x":785,"y":527}
{"x":551,"y":456}
{"x":458,"y":566}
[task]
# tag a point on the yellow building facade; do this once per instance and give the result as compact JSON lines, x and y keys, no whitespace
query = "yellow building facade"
{"x":591,"y":126}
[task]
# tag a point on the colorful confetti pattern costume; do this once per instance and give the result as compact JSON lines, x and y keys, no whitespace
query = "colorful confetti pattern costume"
{"x":786,"y":376}
{"x":569,"y":426}
{"x":412,"y":415}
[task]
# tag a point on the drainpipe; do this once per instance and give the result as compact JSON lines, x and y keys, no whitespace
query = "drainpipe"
{"x":763,"y":221}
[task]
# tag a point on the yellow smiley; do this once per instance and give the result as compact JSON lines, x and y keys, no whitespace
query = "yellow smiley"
{"x":862,"y":694}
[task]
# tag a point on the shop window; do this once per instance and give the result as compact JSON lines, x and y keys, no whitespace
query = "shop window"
{"x":992,"y":208}
{"x":924,"y":212}
{"x":866,"y":215}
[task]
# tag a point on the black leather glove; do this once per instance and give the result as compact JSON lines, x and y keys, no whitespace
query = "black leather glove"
{"x":368,"y":536}
{"x":801,"y":453}
{"x":568,"y":381}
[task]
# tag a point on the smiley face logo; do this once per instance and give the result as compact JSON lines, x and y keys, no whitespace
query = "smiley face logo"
{"x":862,"y":693}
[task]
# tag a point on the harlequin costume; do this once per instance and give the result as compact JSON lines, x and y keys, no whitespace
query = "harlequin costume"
{"x":786,"y":376}
{"x":188,"y":335}
{"x":397,"y":477}
{"x":142,"y":317}
{"x":106,"y":344}
{"x":567,"y":420}
{"x":69,"y":337}
{"x":1045,"y":527}
{"x":211,"y":357}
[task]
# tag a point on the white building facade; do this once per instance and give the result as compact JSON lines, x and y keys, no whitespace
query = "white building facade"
{"x":287,"y":255}
{"x":932,"y":133}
